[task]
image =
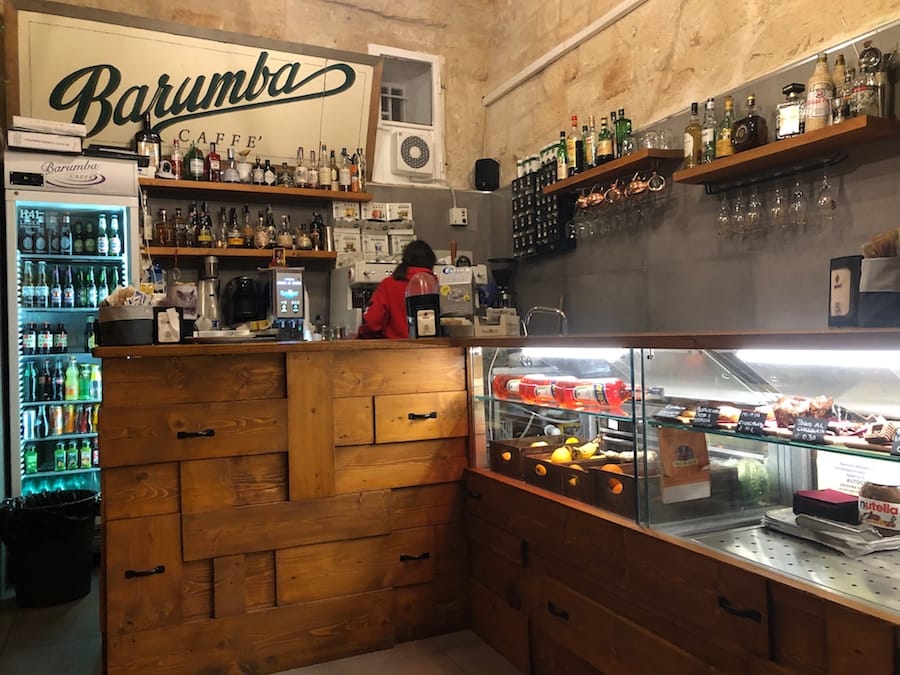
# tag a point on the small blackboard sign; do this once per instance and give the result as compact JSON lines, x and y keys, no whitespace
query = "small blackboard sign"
{"x":751,"y":422}
{"x":706,"y":417}
{"x":810,"y":430}
{"x":895,"y":444}
{"x":671,"y":412}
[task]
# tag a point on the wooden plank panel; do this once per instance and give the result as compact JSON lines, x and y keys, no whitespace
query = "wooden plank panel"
{"x":549,"y":658}
{"x":310,"y":424}
{"x":229,"y":589}
{"x":857,"y":643}
{"x":143,"y":602}
{"x":193,"y":379}
{"x":393,"y":465}
{"x":593,"y":543}
{"x":197,"y":596}
{"x":259,"y":580}
{"x":503,"y":628}
{"x":147,"y":490}
{"x":797,"y":624}
{"x":354,"y":421}
{"x":284,"y":524}
{"x":152,"y":436}
{"x":423,"y":610}
{"x":412,"y":556}
{"x":320,"y":571}
{"x":210,"y":484}
{"x":399,"y":371}
{"x":276,"y":640}
{"x":393,"y":424}
{"x":451,"y":551}
{"x":482,"y":534}
{"x":501,"y":577}
{"x":426,"y":505}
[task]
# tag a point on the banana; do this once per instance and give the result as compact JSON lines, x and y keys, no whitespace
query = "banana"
{"x":585,"y":451}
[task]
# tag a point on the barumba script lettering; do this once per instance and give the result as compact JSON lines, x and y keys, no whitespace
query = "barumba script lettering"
{"x":95,"y":91}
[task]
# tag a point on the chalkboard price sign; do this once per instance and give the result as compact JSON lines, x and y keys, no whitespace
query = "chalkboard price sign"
{"x":810,"y":430}
{"x":670,"y":412}
{"x":751,"y":422}
{"x":706,"y":417}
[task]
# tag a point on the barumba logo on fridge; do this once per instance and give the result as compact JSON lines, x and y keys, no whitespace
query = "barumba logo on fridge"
{"x":72,"y":175}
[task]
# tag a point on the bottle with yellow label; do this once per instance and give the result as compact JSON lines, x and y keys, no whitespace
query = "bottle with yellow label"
{"x":723,"y":136}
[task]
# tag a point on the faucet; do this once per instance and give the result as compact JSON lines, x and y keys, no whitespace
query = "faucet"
{"x":564,"y":320}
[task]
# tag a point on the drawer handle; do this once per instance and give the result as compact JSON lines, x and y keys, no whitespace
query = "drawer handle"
{"x":752,"y":614}
{"x":423,"y":416}
{"x":207,"y":433}
{"x":473,"y":495}
{"x":132,"y":574}
{"x":405,"y":557}
{"x":559,"y":613}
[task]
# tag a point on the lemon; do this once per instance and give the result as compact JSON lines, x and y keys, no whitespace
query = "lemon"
{"x":539,"y":444}
{"x":572,"y":439}
{"x":560,"y":455}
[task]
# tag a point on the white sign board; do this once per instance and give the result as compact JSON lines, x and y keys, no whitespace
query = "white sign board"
{"x":262,"y":101}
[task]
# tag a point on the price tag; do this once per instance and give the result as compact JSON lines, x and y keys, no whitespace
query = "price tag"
{"x":751,"y":422}
{"x":706,"y":417}
{"x":810,"y":430}
{"x":671,"y":412}
{"x":895,"y":444}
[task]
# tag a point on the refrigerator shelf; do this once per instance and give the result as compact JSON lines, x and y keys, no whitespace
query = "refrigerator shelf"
{"x":80,"y":401}
{"x":57,"y":258}
{"x":54,"y":310}
{"x":51,"y":474}
{"x":58,"y":355}
{"x":61,"y":437}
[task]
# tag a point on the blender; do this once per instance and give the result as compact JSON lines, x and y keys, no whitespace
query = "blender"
{"x":503,"y":269}
{"x":208,"y":294}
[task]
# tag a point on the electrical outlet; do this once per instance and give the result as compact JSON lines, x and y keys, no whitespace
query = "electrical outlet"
{"x":459,"y":217}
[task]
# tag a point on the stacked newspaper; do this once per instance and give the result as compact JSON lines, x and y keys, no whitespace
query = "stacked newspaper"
{"x":851,"y":540}
{"x":50,"y":135}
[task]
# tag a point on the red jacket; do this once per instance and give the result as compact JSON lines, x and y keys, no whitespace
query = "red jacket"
{"x":386,"y":313}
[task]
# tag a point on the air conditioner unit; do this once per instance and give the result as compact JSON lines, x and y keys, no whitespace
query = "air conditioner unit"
{"x":413,"y":154}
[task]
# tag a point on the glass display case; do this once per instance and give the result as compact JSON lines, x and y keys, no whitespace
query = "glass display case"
{"x":785,"y":458}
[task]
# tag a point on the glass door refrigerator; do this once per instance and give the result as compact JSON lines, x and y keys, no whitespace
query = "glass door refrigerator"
{"x":71,"y":238}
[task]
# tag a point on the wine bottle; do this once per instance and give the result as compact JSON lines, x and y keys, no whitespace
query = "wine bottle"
{"x":196,"y":167}
{"x":693,"y":147}
{"x":149,"y":143}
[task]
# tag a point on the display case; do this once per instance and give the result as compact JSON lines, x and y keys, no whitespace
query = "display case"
{"x":733,"y":443}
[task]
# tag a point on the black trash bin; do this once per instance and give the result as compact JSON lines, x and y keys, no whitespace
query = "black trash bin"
{"x":50,"y":538}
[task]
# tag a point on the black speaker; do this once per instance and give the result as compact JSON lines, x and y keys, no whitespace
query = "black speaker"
{"x":487,"y":174}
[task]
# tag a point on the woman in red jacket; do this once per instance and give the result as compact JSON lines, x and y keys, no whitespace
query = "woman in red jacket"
{"x":386,"y":315}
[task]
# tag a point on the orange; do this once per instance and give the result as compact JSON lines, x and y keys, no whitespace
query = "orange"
{"x":614,"y":485}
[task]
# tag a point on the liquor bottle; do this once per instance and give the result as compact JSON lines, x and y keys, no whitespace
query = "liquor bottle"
{"x":354,"y":173}
{"x":819,"y":92}
{"x":45,"y":382}
{"x":562,"y":163}
{"x":248,"y":230}
{"x":41,"y":287}
{"x":231,"y":173}
{"x":65,"y":236}
{"x":301,"y":172}
{"x":363,"y":167}
{"x":31,"y":459}
{"x":790,"y":115}
{"x":839,"y":73}
{"x":53,"y":234}
{"x":40,"y":234}
{"x":269,"y":176}
{"x":612,"y":130}
{"x":708,"y":132}
{"x":102,"y":286}
{"x":45,"y":339}
{"x":194,"y":165}
{"x":333,"y":173}
{"x":90,"y":334}
{"x":60,"y":339}
{"x":285,"y":176}
{"x":258,"y":175}
{"x":692,"y":140}
{"x":344,"y":172}
{"x":312,"y":171}
{"x":90,"y":238}
{"x":270,"y":225}
{"x":842,"y":103}
{"x":92,"y":290}
{"x":78,"y":239}
{"x":177,"y":160}
{"x":29,"y":339}
{"x":163,"y":229}
{"x":261,"y":232}
{"x":588,"y":140}
{"x":751,"y":131}
{"x":220,"y":229}
{"x":324,"y":171}
{"x":723,"y":136}
{"x":213,"y":168}
{"x":102,"y":237}
{"x":623,"y":130}
{"x":115,"y":242}
{"x":68,"y":292}
{"x":235,"y":239}
{"x":285,"y":237}
{"x":27,"y":284}
{"x":193,"y":225}
{"x":573,"y":149}
{"x":867,"y":94}
{"x":148,"y":143}
{"x":180,"y":229}
{"x":59,"y":457}
{"x":56,"y":289}
{"x":59,"y":382}
{"x":204,"y":230}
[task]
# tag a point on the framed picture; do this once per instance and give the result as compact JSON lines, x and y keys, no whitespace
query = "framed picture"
{"x":843,"y":291}
{"x":279,"y":257}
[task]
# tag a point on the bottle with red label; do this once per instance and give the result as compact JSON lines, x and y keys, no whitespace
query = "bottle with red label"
{"x":595,"y":393}
{"x":507,"y":385}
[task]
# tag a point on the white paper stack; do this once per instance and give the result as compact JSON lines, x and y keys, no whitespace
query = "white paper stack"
{"x":51,"y":135}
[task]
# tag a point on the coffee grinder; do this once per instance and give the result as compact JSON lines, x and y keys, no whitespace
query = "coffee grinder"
{"x":208,"y":294}
{"x":503,"y":269}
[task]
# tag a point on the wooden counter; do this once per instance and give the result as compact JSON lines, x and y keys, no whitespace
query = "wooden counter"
{"x":271,"y":505}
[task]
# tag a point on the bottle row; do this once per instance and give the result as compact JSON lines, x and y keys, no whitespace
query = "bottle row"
{"x":565,"y":391}
{"x":59,"y":420}
{"x":75,"y":382}
{"x":231,"y":231}
{"x":52,"y":232}
{"x":81,"y":288}
{"x":47,"y":340}
{"x":64,"y":456}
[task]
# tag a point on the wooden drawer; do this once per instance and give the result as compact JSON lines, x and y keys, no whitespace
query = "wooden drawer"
{"x":192,"y":431}
{"x":398,"y":371}
{"x":412,"y":556}
{"x":143,"y":574}
{"x":415,"y":417}
{"x":397,"y":465}
{"x":146,"y":490}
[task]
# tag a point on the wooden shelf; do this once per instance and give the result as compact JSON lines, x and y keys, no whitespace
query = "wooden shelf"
{"x":266,"y":253}
{"x":260,"y":190}
{"x":627,"y":165}
{"x":791,"y":152}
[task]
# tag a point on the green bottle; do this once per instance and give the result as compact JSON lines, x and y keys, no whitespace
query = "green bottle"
{"x":72,"y":456}
{"x":84,"y":454}
{"x":30,"y":459}
{"x":59,"y":457}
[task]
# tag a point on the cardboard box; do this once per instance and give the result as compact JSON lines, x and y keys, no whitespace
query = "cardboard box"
{"x":374,"y":211}
{"x":399,"y":211}
{"x":343,"y":211}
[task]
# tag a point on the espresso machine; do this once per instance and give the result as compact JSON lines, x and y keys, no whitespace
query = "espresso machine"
{"x":208,"y":294}
{"x":351,"y":288}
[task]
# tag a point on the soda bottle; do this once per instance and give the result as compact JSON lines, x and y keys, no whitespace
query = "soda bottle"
{"x":31,"y":459}
{"x":90,"y":335}
{"x":95,"y":453}
{"x":84,"y":454}
{"x":72,"y":456}
{"x":96,"y":383}
{"x":29,"y":383}
{"x":45,"y":339}
{"x":59,"y":382}
{"x":84,"y":381}
{"x":45,"y":383}
{"x":29,"y":339}
{"x":71,"y":390}
{"x":59,"y":457}
{"x":69,"y":417}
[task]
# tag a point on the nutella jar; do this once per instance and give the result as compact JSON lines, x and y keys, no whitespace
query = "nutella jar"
{"x":879,"y":506}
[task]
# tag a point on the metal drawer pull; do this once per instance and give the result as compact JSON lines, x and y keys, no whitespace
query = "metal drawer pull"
{"x":131,"y":574}
{"x":473,"y":495}
{"x":423,"y":416}
{"x":405,"y":557}
{"x":752,"y":614}
{"x":208,"y":433}
{"x":560,"y":613}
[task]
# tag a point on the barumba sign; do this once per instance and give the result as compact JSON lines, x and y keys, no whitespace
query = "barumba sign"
{"x":262,"y":101}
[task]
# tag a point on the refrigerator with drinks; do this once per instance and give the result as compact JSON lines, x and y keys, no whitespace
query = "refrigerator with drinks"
{"x":71,"y":239}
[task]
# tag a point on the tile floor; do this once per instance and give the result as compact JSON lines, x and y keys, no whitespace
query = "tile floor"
{"x":65,"y":640}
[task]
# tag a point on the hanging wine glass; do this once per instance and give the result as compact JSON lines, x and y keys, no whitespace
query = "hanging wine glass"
{"x":826,"y":203}
{"x":778,"y":210}
{"x":724,"y":217}
{"x":738,"y":216}
{"x":797,"y":209}
{"x":755,"y":213}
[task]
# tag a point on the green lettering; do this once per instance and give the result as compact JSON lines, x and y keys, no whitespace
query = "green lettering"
{"x":121,"y":115}
{"x":91,"y":92}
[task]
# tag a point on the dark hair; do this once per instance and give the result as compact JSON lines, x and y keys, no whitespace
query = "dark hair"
{"x":416,"y":254}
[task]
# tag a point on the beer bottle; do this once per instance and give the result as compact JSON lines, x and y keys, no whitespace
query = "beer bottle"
{"x":60,"y":339}
{"x":65,"y":236}
{"x":68,"y":292}
{"x":41,"y":288}
{"x":56,"y":291}
{"x":102,"y":237}
{"x":28,"y":284}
